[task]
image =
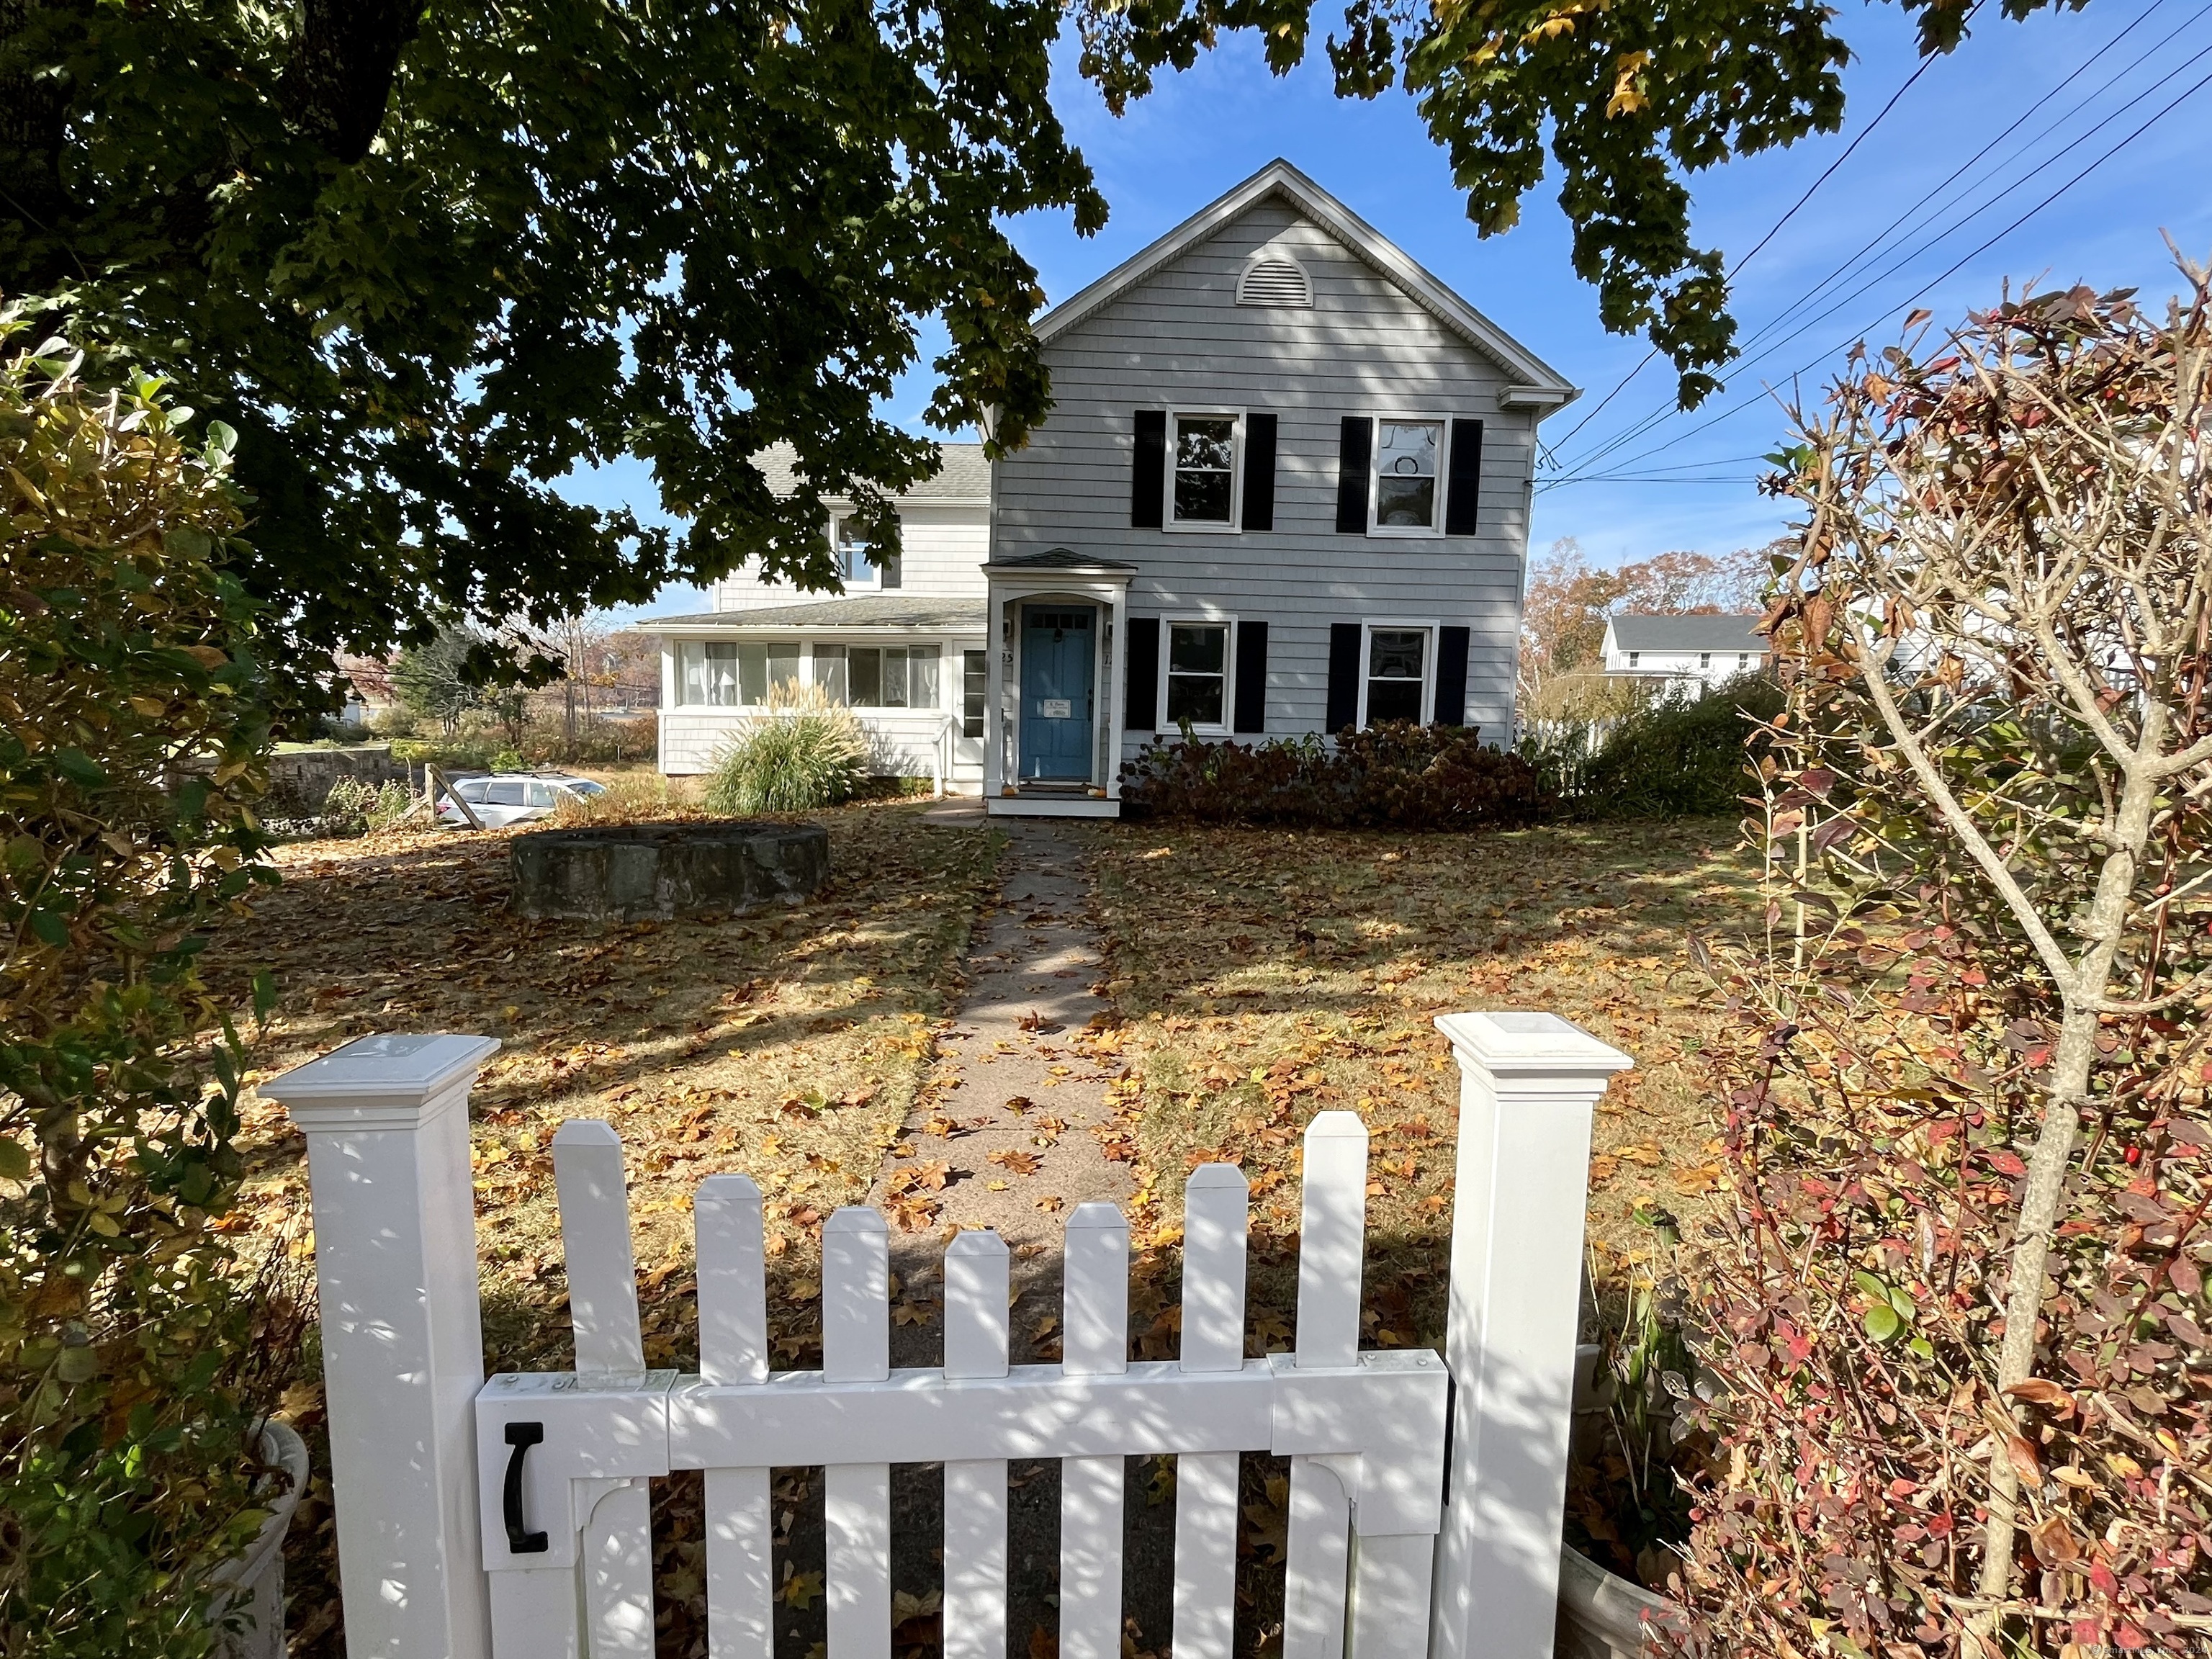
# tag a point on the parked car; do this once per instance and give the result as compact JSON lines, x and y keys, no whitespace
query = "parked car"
{"x":508,"y":798}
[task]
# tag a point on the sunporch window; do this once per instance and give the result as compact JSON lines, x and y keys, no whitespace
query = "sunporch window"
{"x":734,"y":673}
{"x":877,"y":676}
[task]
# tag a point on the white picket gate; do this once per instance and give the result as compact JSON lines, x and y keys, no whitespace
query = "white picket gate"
{"x":509,"y":1517}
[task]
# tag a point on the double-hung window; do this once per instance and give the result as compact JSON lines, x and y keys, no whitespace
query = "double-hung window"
{"x":1202,"y":483}
{"x":877,"y":676}
{"x":734,"y":673}
{"x":1408,"y":499}
{"x":1197,"y":675}
{"x":1400,"y":665}
{"x":858,"y":566}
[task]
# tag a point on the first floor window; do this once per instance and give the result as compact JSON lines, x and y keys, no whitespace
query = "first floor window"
{"x":1705,"y":659}
{"x":735,"y":674}
{"x":1635,"y":658}
{"x":858,"y":564}
{"x":1198,"y":672}
{"x":1405,"y":472}
{"x":1397,"y":669}
{"x":1202,"y":490}
{"x":877,"y":676}
{"x":975,"y":679}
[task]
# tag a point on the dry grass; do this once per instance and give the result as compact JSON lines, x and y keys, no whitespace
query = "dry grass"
{"x":1266,"y":975}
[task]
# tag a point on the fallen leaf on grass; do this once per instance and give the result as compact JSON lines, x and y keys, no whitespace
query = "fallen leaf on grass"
{"x":798,"y":1589}
{"x":1051,"y":1203}
{"x":1015,"y":1161}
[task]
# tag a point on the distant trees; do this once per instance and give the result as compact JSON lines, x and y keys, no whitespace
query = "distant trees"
{"x":1564,"y":611}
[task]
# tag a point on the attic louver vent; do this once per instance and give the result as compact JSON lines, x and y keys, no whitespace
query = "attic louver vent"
{"x":1275,"y":279}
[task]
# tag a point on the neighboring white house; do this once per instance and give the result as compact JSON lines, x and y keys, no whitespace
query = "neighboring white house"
{"x":1688,"y":653}
{"x":1283,"y":489}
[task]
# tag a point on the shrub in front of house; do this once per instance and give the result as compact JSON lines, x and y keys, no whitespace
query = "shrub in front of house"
{"x":803,"y":753}
{"x":1394,"y":776}
{"x":1665,"y":759}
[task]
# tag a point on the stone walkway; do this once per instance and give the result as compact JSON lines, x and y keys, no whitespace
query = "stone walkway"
{"x":1011,"y":1111}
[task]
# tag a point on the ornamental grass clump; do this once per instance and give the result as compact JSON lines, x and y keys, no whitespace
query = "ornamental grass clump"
{"x":134,"y":737}
{"x":803,"y":753}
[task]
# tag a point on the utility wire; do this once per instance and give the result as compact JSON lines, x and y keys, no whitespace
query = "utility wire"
{"x":2170,"y":106}
{"x":1930,"y":207}
{"x":1775,"y":229}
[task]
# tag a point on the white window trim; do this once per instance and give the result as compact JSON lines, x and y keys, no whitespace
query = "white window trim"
{"x":1228,"y":722}
{"x":1208,"y":527}
{"x":1430,"y":626}
{"x":1402,"y":532}
{"x":873,"y":582}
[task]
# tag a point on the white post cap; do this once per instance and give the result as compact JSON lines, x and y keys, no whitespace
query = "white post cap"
{"x":378,"y":1082}
{"x":1523,"y":1044}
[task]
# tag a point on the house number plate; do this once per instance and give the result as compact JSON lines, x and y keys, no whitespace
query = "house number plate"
{"x":1059,"y":708}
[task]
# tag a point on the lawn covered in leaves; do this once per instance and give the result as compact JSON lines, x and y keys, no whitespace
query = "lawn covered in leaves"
{"x":788,"y":1044}
{"x":1265,"y":975}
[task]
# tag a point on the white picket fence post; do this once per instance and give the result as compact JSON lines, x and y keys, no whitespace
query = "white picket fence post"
{"x":1528,"y":1085}
{"x":387,"y":1126}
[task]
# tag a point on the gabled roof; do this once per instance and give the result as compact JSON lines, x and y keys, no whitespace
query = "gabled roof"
{"x":965,"y":477}
{"x":1535,"y":381}
{"x":1642,"y":633}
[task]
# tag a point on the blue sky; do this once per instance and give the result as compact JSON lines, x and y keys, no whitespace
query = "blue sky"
{"x":2070,"y":87}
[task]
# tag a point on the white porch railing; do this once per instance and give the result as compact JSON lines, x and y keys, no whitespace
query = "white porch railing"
{"x":509,"y":1517}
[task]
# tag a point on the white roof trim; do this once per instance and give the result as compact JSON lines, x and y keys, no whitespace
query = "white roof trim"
{"x":1535,"y":382}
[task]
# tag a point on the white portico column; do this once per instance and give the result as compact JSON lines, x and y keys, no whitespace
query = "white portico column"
{"x":1528,"y":1083}
{"x":387,"y":1125}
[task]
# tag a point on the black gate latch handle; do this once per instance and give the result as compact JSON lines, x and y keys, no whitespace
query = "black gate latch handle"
{"x":522,"y":1437}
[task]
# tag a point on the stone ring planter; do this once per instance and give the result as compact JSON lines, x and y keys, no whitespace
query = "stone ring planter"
{"x":654,"y":872}
{"x":1605,"y":1616}
{"x":253,"y":1584}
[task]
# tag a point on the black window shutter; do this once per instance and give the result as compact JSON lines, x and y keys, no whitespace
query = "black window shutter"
{"x":1252,"y":676}
{"x":1343,"y":676}
{"x":1259,"y":473}
{"x":1148,"y":479}
{"x":1144,"y":689}
{"x":1352,"y":458}
{"x":1451,"y":676}
{"x":1463,"y":488}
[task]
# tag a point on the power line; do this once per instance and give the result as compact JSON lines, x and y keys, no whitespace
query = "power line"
{"x":1775,"y":229}
{"x":2175,"y":103}
{"x":1930,"y":207}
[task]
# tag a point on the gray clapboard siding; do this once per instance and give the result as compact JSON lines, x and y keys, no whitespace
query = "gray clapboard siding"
{"x":1178,"y":340}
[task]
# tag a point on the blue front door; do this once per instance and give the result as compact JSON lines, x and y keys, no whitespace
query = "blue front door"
{"x":1056,"y":730}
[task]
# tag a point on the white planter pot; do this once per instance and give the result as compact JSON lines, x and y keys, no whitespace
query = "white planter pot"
{"x":254,"y":1582}
{"x":1603,"y":1615}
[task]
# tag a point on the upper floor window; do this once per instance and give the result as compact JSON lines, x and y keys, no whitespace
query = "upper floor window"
{"x":1407,"y":500}
{"x":1705,"y":659}
{"x":1202,"y":484}
{"x":857,"y":565}
{"x":1635,"y":658}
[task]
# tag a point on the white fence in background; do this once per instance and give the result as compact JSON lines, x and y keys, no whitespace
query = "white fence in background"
{"x":509,"y":1518}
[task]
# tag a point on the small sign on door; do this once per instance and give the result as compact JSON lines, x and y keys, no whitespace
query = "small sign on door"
{"x":1057,"y":708}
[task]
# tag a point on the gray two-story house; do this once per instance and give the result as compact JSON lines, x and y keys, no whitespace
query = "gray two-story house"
{"x":1283,"y":489}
